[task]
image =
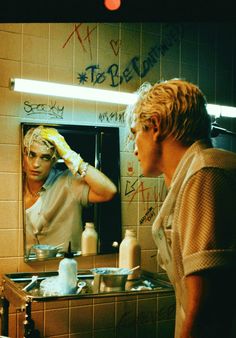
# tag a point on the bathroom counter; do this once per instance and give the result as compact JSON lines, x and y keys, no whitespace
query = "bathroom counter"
{"x":13,"y":292}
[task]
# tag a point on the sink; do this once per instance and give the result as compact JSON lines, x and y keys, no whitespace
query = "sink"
{"x":21,"y":289}
{"x":22,"y":283}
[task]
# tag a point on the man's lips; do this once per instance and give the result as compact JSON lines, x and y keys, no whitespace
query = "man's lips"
{"x":35,"y":172}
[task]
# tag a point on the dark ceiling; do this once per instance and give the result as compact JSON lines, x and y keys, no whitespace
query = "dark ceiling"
{"x":130,"y":11}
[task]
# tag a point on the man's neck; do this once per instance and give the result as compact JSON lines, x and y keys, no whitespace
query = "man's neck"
{"x":34,"y":185}
{"x":172,"y":153}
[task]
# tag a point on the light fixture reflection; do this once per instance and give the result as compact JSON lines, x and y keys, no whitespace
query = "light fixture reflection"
{"x":71,"y":91}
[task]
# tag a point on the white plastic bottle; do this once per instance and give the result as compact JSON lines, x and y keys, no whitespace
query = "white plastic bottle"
{"x":130,"y":253}
{"x":68,"y":273}
{"x":89,"y":240}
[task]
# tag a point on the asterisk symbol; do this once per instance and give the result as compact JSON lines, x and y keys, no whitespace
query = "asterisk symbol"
{"x":82,"y":77}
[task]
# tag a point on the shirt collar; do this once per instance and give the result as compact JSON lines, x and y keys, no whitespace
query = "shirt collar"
{"x":194,"y":148}
{"x":50,"y":179}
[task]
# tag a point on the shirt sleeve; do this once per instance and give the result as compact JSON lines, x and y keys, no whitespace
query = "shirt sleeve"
{"x":80,"y":190}
{"x":206,"y":222}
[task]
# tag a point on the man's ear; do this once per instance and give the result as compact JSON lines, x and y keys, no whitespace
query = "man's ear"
{"x":155,"y":126}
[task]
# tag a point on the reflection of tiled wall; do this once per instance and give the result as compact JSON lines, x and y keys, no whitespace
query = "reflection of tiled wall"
{"x":202,"y":53}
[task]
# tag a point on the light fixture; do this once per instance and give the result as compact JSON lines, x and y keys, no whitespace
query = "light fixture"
{"x":71,"y":91}
{"x":218,"y":111}
{"x":112,"y":5}
{"x":100,"y":95}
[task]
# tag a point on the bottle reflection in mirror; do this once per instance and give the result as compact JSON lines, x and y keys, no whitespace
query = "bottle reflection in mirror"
{"x":89,"y":240}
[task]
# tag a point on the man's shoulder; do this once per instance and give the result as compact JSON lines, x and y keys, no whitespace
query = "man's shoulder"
{"x":57,"y":175}
{"x":215,"y":158}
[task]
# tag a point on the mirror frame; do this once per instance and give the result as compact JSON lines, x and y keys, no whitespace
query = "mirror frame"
{"x":107,"y":215}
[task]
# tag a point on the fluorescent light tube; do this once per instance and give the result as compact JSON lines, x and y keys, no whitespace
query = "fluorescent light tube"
{"x":71,"y":91}
{"x":92,"y":94}
{"x":218,"y":111}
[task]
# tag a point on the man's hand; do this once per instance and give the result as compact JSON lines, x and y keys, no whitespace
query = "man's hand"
{"x":71,"y":158}
{"x":52,"y":135}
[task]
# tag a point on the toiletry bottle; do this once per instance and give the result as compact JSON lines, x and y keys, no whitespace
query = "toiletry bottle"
{"x":68,"y":273}
{"x":89,"y":240}
{"x":130,"y":253}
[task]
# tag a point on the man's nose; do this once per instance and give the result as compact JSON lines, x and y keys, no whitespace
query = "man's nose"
{"x":36,"y":162}
{"x":135,"y":150}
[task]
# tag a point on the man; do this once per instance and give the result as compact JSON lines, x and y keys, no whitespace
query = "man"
{"x":195,"y":229}
{"x":53,"y":199}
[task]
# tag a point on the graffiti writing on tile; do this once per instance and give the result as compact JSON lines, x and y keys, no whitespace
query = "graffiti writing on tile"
{"x":130,"y":168}
{"x":166,"y":312}
{"x":115,"y":45}
{"x":148,"y":216}
{"x":53,"y":110}
{"x":133,"y":189}
{"x":111,"y":117}
{"x":84,"y":37}
{"x":135,"y":67}
{"x":147,"y":195}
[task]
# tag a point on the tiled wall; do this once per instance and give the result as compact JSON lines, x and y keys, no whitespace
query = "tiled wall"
{"x":122,"y":317}
{"x":112,"y":56}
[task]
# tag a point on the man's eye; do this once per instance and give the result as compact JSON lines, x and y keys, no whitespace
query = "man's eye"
{"x":30,"y":155}
{"x":46,"y":158}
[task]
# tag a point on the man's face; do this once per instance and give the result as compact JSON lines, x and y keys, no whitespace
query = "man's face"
{"x":38,"y":162}
{"x":147,"y":149}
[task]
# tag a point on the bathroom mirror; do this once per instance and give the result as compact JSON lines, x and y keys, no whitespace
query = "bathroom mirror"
{"x":100,"y":147}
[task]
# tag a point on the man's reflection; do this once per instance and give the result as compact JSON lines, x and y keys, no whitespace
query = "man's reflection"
{"x":53,"y":198}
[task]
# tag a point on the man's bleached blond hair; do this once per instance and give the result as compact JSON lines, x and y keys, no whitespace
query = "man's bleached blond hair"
{"x":34,"y":135}
{"x":180,"y":108}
